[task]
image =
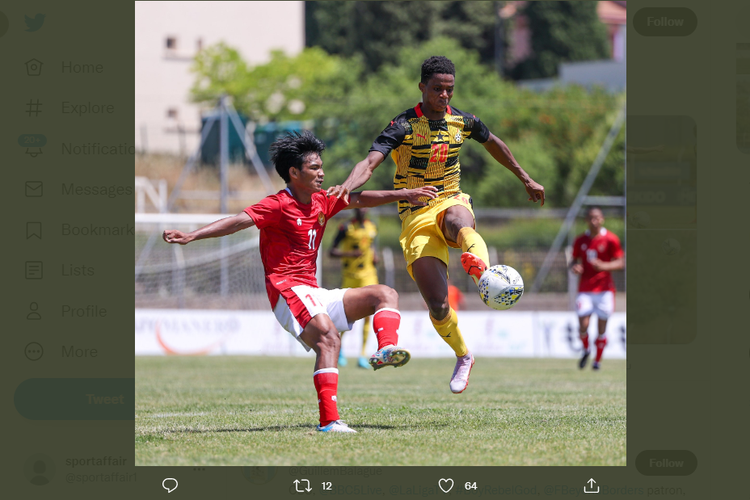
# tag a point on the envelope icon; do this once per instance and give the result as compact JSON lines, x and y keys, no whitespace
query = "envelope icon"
{"x":33,"y":189}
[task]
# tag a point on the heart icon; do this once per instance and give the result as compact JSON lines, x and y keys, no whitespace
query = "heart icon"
{"x":446,"y":485}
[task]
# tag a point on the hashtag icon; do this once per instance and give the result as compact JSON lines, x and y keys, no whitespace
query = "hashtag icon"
{"x":33,"y":107}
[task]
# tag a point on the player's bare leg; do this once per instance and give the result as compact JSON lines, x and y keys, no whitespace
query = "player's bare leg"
{"x":321,"y":335}
{"x":601,"y":342}
{"x":583,"y":331}
{"x":380,"y":302}
{"x":431,"y":275}
{"x":458,"y":225}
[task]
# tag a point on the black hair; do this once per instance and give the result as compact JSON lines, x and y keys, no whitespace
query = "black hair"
{"x":292,"y":149}
{"x":594,"y":207}
{"x":437,"y":65}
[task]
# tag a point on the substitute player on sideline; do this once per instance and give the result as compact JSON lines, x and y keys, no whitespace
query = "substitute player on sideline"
{"x":354,"y":245}
{"x":599,"y":253}
{"x":291,"y":224}
{"x":424,"y":142}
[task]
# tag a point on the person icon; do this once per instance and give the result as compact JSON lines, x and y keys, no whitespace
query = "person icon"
{"x":33,"y":307}
{"x":39,"y":469}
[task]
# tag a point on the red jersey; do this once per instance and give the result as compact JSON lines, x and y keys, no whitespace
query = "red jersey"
{"x":290,"y":235}
{"x":605,"y":246}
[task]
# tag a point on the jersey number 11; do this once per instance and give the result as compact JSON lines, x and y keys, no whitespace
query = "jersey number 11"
{"x":312,"y":233}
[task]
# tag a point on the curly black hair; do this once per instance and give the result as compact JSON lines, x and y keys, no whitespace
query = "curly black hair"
{"x":292,"y":149}
{"x":437,"y":65}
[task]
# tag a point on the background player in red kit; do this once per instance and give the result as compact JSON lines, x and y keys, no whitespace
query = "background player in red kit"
{"x":291,"y":224}
{"x":599,"y":253}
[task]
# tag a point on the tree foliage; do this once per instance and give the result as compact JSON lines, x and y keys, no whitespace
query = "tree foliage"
{"x":285,"y":88}
{"x":554,"y":135}
{"x":350,"y":28}
{"x":562,"y":32}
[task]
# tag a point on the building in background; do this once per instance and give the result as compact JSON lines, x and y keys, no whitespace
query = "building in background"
{"x":168,"y":35}
{"x":608,"y":73}
{"x":612,"y":14}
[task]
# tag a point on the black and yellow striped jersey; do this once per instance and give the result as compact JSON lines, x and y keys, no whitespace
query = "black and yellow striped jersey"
{"x":426,"y":151}
{"x":357,"y":236}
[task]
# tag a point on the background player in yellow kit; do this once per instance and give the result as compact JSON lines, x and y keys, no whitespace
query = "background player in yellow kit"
{"x":424,"y":142}
{"x":355,"y":246}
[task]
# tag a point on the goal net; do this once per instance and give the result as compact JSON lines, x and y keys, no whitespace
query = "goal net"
{"x":216,"y":273}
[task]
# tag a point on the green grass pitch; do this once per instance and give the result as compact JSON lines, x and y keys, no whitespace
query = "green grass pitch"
{"x":222,"y":410}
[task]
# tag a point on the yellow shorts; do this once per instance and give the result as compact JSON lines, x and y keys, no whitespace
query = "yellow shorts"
{"x":348,"y":282}
{"x":421,"y":234}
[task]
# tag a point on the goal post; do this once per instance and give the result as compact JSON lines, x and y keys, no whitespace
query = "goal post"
{"x":215,"y":273}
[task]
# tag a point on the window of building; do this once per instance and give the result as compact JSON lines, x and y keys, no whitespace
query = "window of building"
{"x":171,"y":43}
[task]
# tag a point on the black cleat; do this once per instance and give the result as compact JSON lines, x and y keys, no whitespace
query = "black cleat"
{"x":595,"y":365}
{"x":584,"y":358}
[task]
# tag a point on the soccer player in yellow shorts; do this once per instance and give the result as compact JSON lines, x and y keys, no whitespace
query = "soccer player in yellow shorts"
{"x":424,"y":142}
{"x":354,"y":245}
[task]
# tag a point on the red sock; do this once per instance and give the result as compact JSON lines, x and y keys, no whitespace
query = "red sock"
{"x":326,"y":382}
{"x":585,"y":341}
{"x":600,"y":343}
{"x":385,"y":322}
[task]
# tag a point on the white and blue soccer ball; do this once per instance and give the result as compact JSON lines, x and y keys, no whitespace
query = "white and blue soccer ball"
{"x":500,"y":287}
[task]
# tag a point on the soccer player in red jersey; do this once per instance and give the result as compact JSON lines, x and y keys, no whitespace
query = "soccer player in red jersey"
{"x":291,"y":224}
{"x":596,"y":253}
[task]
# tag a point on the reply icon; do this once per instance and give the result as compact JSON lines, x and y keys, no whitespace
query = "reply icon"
{"x":167,"y":484}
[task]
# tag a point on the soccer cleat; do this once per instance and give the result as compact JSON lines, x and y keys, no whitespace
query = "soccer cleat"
{"x":460,"y":378}
{"x":584,"y":358}
{"x":595,"y":365}
{"x":390,"y":355}
{"x":336,"y":426}
{"x":342,"y":359}
{"x":362,"y":362}
{"x":473,"y":265}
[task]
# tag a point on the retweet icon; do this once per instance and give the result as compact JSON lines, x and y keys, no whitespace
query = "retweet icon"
{"x":35,"y":23}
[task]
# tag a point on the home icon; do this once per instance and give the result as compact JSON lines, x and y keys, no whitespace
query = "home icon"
{"x":34,"y":67}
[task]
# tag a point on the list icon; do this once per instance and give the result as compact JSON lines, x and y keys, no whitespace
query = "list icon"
{"x":34,"y":270}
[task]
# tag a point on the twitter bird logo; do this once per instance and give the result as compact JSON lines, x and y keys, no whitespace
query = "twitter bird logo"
{"x":34,"y":24}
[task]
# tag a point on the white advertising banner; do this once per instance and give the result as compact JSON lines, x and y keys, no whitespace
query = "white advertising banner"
{"x":490,"y":333}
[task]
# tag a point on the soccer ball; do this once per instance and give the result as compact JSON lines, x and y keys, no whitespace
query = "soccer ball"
{"x":500,"y":287}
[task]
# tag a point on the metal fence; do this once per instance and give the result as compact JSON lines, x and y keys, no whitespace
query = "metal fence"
{"x":226,"y":273}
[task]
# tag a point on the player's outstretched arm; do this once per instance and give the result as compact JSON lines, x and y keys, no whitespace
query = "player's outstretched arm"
{"x":500,"y":152}
{"x":418,"y":196}
{"x":360,"y":174}
{"x":222,"y":227}
{"x":612,"y":265}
